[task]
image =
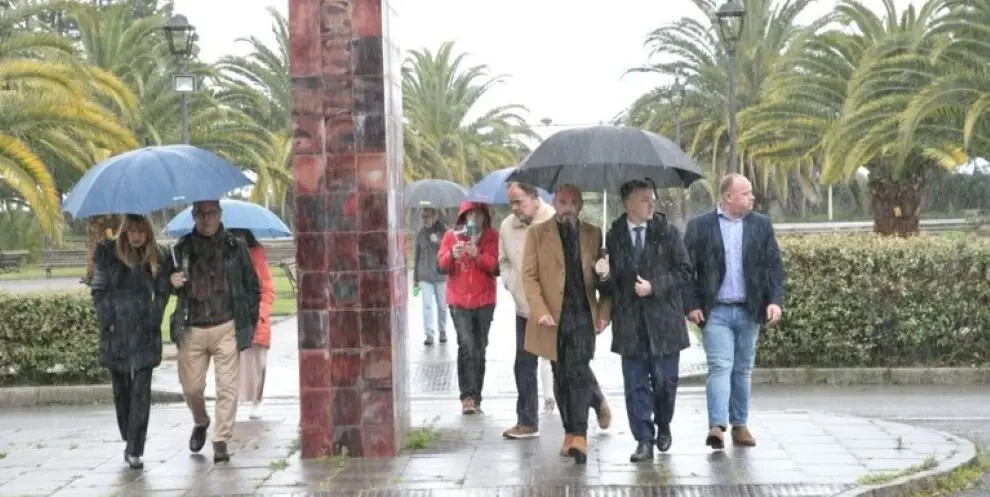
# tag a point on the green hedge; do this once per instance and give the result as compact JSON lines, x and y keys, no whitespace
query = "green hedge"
{"x":867,"y":301}
{"x":49,"y":338}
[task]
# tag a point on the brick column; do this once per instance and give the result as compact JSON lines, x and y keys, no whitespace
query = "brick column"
{"x":349,"y":222}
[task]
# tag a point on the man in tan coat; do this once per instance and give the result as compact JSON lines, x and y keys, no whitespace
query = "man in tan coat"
{"x":566,"y":314}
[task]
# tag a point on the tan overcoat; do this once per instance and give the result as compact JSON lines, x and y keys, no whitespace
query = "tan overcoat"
{"x":543,"y":282}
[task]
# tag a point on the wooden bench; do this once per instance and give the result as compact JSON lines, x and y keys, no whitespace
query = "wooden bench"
{"x":289,"y":266}
{"x":12,"y":260}
{"x":54,"y":259}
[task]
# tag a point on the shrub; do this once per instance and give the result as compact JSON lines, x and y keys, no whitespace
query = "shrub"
{"x":868,"y":301}
{"x":49,"y":338}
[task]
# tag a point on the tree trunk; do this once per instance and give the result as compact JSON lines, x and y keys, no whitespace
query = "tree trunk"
{"x":896,"y":202}
{"x":98,"y":229}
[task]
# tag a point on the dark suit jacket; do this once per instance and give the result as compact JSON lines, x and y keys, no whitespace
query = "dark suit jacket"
{"x":762,"y":267}
{"x":665,"y":264}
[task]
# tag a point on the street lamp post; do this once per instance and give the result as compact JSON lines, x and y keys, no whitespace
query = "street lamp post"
{"x":677,"y":96}
{"x":730,"y":26}
{"x":181,"y":35}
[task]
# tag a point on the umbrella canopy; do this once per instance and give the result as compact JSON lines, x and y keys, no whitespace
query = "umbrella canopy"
{"x":491,"y":189}
{"x":262,"y":222}
{"x":152,"y":178}
{"x":435,"y":194}
{"x":604,"y":157}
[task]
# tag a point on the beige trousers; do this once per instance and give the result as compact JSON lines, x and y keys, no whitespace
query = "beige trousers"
{"x":198,"y":346}
{"x":253,"y":362}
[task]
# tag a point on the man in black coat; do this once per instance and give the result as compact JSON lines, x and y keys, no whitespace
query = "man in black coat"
{"x":645,"y":271}
{"x":739,"y":286}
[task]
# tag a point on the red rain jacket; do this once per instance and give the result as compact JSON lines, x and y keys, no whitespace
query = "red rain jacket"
{"x":470,"y":282}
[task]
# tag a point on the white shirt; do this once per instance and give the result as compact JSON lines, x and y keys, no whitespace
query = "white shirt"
{"x":632,"y":232}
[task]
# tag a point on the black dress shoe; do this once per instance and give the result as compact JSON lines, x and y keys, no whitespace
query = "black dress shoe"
{"x":664,"y":442}
{"x":198,"y":438}
{"x":664,"y":439}
{"x":134,"y":462}
{"x":644,"y":452}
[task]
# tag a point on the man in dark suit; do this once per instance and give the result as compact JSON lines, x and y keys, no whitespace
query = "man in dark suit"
{"x":646,"y":271}
{"x":739,"y":286}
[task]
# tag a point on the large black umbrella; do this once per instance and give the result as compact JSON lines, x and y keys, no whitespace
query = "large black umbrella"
{"x":604,"y":157}
{"x":435,"y":194}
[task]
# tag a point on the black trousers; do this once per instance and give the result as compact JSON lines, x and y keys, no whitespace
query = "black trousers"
{"x":573,"y":381}
{"x":132,"y":400}
{"x":472,"y":327}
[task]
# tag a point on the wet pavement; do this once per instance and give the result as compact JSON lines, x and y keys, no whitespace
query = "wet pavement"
{"x":433,"y":370}
{"x":74,"y":452}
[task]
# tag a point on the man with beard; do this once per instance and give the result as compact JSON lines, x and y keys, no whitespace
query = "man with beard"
{"x":646,"y":270}
{"x":559,"y":282}
{"x":528,"y":210}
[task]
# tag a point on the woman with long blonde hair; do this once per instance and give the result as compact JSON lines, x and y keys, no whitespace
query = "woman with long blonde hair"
{"x":130,"y":290}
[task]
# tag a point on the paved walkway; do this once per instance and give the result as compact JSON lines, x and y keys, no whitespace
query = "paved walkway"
{"x":433,"y":370}
{"x":41,"y":285}
{"x":74,"y":452}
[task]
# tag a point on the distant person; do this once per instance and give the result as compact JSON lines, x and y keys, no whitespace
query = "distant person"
{"x":645,"y":272}
{"x":218,"y":307}
{"x":738,"y":287}
{"x":565,"y":312}
{"x":254,"y":361}
{"x":130,"y":290}
{"x":468,"y":254}
{"x":427,"y":276}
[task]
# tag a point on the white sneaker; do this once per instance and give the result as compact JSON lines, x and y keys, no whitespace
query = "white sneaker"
{"x":255,"y":408}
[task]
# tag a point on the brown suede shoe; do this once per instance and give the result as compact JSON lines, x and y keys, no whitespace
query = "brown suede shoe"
{"x":467,"y":407}
{"x":742,"y":437}
{"x":519,"y":432}
{"x":579,"y":449}
{"x":716,"y":438}
{"x":566,"y":446}
{"x":605,"y":416}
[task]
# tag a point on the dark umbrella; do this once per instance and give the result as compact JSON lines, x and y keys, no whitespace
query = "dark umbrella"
{"x":604,"y":157}
{"x":435,"y":194}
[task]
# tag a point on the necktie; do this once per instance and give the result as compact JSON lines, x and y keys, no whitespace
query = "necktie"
{"x":638,"y":243}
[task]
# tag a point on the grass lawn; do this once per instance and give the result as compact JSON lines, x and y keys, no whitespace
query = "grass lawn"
{"x":37,"y":273}
{"x":285,"y":301}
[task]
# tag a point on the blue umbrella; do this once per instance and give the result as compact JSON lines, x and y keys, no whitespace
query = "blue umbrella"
{"x":491,"y":189}
{"x":262,"y":222}
{"x":152,"y":178}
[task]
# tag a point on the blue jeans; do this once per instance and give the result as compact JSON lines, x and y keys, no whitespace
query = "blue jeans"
{"x":527,"y":402}
{"x":730,"y":336}
{"x":651,"y":391}
{"x":434,"y":307}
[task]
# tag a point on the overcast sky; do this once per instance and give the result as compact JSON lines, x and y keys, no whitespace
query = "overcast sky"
{"x":565,"y":57}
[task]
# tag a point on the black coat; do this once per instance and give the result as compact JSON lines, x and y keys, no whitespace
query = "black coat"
{"x":129,"y":304}
{"x":243,"y":283}
{"x":762,"y":266}
{"x":666,"y":266}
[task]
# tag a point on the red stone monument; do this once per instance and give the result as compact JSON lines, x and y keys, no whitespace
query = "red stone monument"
{"x":350,"y":224}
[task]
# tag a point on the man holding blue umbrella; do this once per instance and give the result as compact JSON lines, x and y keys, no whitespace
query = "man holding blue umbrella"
{"x":216,"y":313}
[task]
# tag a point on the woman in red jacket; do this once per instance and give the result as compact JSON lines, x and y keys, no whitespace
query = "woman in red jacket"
{"x":469,"y":256}
{"x":253,"y":361}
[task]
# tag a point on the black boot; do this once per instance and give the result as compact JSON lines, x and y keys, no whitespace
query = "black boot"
{"x":664,"y":438}
{"x":644,"y":452}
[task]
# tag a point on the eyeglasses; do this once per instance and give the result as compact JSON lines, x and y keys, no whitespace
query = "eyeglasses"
{"x":206,"y":214}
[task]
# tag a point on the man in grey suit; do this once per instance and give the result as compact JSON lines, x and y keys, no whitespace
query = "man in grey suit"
{"x":738,"y":287}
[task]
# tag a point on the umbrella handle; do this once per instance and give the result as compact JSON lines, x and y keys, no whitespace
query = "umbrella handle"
{"x":171,"y":249}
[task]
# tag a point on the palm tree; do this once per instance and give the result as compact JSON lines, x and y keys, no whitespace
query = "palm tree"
{"x":441,"y":139}
{"x":691,"y":49}
{"x":52,"y":113}
{"x":838,"y":104}
{"x":258,"y":84}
